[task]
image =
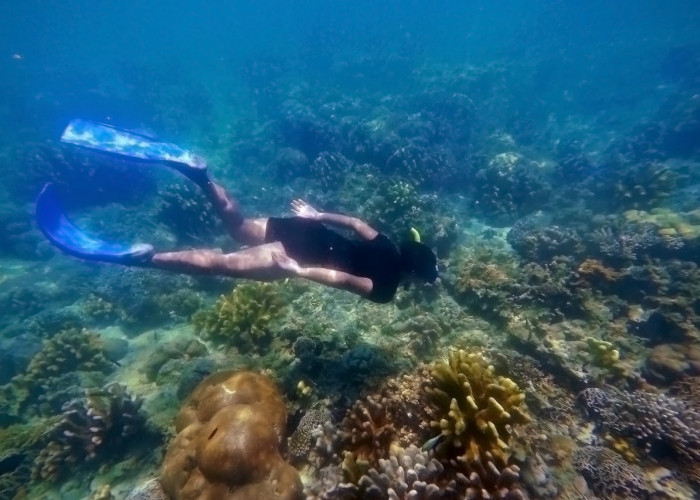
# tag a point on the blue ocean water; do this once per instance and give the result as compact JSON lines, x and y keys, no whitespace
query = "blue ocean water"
{"x":545,"y":152}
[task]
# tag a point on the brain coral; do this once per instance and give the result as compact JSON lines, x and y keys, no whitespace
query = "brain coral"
{"x":227,"y":446}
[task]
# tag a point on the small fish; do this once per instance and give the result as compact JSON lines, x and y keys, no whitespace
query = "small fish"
{"x":431,"y":443}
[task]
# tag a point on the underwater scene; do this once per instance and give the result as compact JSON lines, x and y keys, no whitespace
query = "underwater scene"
{"x":326,"y":250}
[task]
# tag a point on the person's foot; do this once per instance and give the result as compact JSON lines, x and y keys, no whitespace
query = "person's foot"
{"x":195,"y":169}
{"x":285,"y":262}
{"x":139,"y":254}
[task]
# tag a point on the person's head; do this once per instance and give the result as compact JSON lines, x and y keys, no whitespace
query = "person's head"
{"x":418,"y":260}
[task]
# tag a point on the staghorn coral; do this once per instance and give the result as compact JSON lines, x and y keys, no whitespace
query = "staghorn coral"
{"x":98,"y":424}
{"x":227,"y":446}
{"x":609,"y":474}
{"x":627,"y":242}
{"x":476,"y":411}
{"x":665,"y":426}
{"x":242,"y":317}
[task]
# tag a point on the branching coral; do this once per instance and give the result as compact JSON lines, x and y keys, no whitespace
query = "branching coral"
{"x":104,"y":420}
{"x":243,"y":316}
{"x":68,"y":350}
{"x":367,"y":430}
{"x":609,"y":474}
{"x":413,"y":475}
{"x":664,"y":425}
{"x":227,"y":446}
{"x":63,"y":354}
{"x":476,"y":411}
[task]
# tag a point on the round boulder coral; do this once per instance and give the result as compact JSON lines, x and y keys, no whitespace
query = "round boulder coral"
{"x":227,"y":447}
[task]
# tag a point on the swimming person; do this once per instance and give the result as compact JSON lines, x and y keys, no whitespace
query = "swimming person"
{"x":369,"y":265}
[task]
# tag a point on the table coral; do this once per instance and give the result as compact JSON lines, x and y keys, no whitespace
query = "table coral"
{"x":242,"y":317}
{"x":227,"y":446}
{"x":475,"y":412}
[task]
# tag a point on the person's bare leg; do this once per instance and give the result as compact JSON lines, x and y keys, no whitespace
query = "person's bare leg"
{"x":255,"y":263}
{"x":246,"y":231}
{"x":243,"y":230}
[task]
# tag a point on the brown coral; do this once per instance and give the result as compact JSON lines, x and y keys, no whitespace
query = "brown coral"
{"x":367,"y":430}
{"x":227,"y":447}
{"x":104,"y":419}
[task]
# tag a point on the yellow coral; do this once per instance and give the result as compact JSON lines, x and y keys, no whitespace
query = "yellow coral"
{"x":477,"y":409}
{"x":243,"y":316}
{"x":668,"y":222}
{"x":603,"y":352}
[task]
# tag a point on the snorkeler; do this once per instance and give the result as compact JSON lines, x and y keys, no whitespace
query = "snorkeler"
{"x":279,"y":247}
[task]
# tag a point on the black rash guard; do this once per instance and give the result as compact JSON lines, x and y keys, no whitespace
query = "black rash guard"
{"x":311,"y":243}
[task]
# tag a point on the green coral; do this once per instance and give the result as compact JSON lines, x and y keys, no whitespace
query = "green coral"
{"x":475,"y":410}
{"x":68,"y":351}
{"x":243,"y":316}
{"x":18,"y":446}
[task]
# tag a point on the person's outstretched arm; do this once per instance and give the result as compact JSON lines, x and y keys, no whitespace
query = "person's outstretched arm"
{"x":364,"y":230}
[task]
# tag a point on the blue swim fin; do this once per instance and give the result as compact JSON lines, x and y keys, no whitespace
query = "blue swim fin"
{"x":133,"y":145}
{"x":61,"y":231}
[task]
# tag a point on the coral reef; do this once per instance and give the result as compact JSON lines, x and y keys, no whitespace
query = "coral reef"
{"x":665,"y":426}
{"x":43,"y":383}
{"x":227,"y":446}
{"x":330,"y":169}
{"x":302,"y":440}
{"x":367,"y":430}
{"x":175,"y":349}
{"x":667,"y":363}
{"x":188,"y":214}
{"x":242,"y":318}
{"x":509,"y":186}
{"x":413,"y":475}
{"x":609,"y":474}
{"x":540,"y":243}
{"x":146,"y":297}
{"x":100,"y":424}
{"x":476,"y":411}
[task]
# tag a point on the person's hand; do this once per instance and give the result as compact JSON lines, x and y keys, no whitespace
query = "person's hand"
{"x":285,"y":262}
{"x":302,"y":209}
